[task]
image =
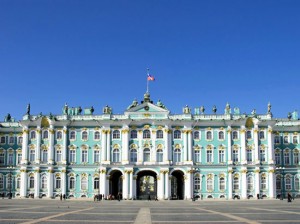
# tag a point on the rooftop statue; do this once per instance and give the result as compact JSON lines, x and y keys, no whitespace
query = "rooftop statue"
{"x":107,"y":110}
{"x":214,"y":109}
{"x":186,"y":110}
{"x":7,"y":118}
{"x":65,"y":109}
{"x":236,"y":111}
{"x":160,"y":104}
{"x":28,"y":109}
{"x":134,"y":104}
{"x":202,"y":109}
{"x":269,"y":108}
{"x":227,"y":109}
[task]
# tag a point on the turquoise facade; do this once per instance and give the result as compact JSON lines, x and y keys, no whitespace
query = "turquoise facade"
{"x":147,"y":151}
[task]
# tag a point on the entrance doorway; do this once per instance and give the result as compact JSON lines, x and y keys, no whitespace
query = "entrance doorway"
{"x":177,"y":185}
{"x":115,"y":184}
{"x":146,"y":185}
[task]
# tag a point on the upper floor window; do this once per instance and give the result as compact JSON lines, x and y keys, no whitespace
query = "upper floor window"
{"x":45,"y":134}
{"x":32,"y":135}
{"x":286,"y":139}
{"x":159,"y":155}
{"x":249,"y":135}
{"x":84,"y":135}
{"x":11,"y":140}
{"x":2,"y":156}
{"x":72,"y":135}
{"x":209,"y":155}
{"x":235,"y":135}
{"x":208,"y":135}
{"x":116,"y":155}
{"x":196,"y":135}
{"x":133,"y":134}
{"x":146,"y":134}
{"x":116,"y":134}
{"x":222,"y":183}
{"x":236,"y":183}
{"x":221,"y":135}
{"x":20,"y":140}
{"x":59,"y":135}
{"x":295,"y":139}
{"x":2,"y":141}
{"x":159,"y":134}
{"x":177,"y":134}
{"x":96,"y":135}
{"x":177,"y":155}
{"x":261,"y":135}
{"x":146,"y":155}
{"x":133,"y":155}
{"x":276,"y":139}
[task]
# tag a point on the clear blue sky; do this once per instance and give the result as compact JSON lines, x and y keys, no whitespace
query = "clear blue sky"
{"x":95,"y":53}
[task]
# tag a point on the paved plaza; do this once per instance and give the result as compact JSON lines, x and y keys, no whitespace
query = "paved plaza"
{"x":29,"y":211}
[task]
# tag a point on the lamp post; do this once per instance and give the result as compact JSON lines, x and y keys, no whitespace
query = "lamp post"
{"x":281,"y":171}
{"x":10,"y":181}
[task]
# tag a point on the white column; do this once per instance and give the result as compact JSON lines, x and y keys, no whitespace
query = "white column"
{"x":125,"y":185}
{"x":153,"y":148}
{"x":256,"y":151}
{"x":24,"y":182}
{"x":25,"y":146}
{"x":167,"y":185}
{"x":272,"y":184}
{"x":230,"y":184}
{"x":131,"y":184}
{"x":38,"y":145}
{"x":243,"y":145}
{"x":64,"y":149}
{"x":64,"y":182}
{"x":257,"y":185}
{"x":271,"y":153}
{"x":125,"y":141}
{"x":244,"y":183}
{"x":185,"y":145}
{"x":134,"y":177}
{"x":229,"y":154}
{"x":106,"y":192}
{"x":102,"y":179}
{"x":190,"y":143}
{"x":140,"y":147}
{"x":37,"y":183}
{"x":166,"y":150}
{"x":50,"y":183}
{"x":187,"y":185}
{"x":108,"y":147}
{"x":160,"y":185}
{"x":51,"y":145}
{"x":103,"y":157}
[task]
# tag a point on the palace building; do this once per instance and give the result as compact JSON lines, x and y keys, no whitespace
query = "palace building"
{"x":147,"y":151}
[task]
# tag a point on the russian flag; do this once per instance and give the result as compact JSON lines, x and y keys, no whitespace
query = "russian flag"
{"x":150,"y":77}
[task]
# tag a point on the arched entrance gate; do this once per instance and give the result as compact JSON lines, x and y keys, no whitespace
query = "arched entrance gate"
{"x":146,"y":185}
{"x":177,"y":185}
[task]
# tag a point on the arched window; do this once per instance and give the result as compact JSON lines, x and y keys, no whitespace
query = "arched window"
{"x":146,"y":134}
{"x":11,"y":140}
{"x":287,"y":157}
{"x":235,"y":135}
{"x":116,"y":156}
{"x":209,"y":184}
{"x":278,"y":182}
{"x":44,"y":182}
{"x":96,"y":183}
{"x":286,"y":139}
{"x":72,"y":156}
{"x":295,"y":140}
{"x":84,"y":156}
{"x":222,"y":183}
{"x":261,"y":135}
{"x":288,"y":183}
{"x":159,"y":155}
{"x":133,"y":134}
{"x":133,"y":155}
{"x":197,"y":183}
{"x":32,"y":135}
{"x":249,"y":135}
{"x":58,"y":135}
{"x":18,"y":182}
{"x":250,"y":183}
{"x":297,"y":187}
{"x":159,"y":134}
{"x":209,"y":156}
{"x":32,"y":155}
{"x":262,"y":154}
{"x":44,"y":156}
{"x":197,"y":156}
{"x":2,"y":141}
{"x":45,"y":134}
{"x":31,"y":182}
{"x":72,"y":183}
{"x":208,"y":135}
{"x":221,"y":156}
{"x":177,"y":155}
{"x":57,"y":182}
{"x":20,"y":140}
{"x":58,"y":155}
{"x":116,"y":134}
{"x":177,"y":134}
{"x":72,"y":135}
{"x":84,"y":135}
{"x":83,"y":183}
{"x":96,"y":156}
{"x":236,"y":183}
{"x":196,"y":135}
{"x":276,"y":139}
{"x":221,"y":135}
{"x":146,"y":155}
{"x":97,"y":135}
{"x":263,"y":182}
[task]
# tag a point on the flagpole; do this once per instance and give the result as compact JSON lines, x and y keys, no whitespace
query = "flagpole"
{"x":147,"y":80}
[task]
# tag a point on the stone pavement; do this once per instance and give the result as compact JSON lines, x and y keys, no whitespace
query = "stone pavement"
{"x":29,"y":211}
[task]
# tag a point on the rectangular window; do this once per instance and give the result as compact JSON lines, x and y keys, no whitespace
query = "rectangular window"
{"x":19,"y":158}
{"x":2,"y":140}
{"x":296,"y":158}
{"x":11,"y":140}
{"x":96,"y":156}
{"x":72,"y":156}
{"x":84,"y":155}
{"x":221,"y":156}
{"x":249,"y":155}
{"x":235,"y":156}
{"x":2,"y":158}
{"x":209,"y":156}
{"x":277,"y":158}
{"x":262,"y":154}
{"x":10,"y":158}
{"x":286,"y":158}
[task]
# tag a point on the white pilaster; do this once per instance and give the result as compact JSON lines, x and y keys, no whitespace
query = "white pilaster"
{"x":64,"y":149}
{"x":271,"y":153}
{"x":166,"y":151}
{"x":230,"y":184}
{"x":102,"y":179}
{"x":256,"y":144}
{"x":160,"y":185}
{"x":272,"y":184}
{"x":51,"y":144}
{"x":50,"y":183}
{"x":189,"y":149}
{"x":130,"y":184}
{"x":25,"y":146}
{"x":23,"y":184}
{"x":167,"y":185}
{"x":125,"y":185}
{"x":37,"y":183}
{"x":243,"y":145}
{"x":64,"y":182}
{"x":244,"y":183}
{"x":103,"y":157}
{"x":187,"y":185}
{"x":134,"y":177}
{"x":108,"y":146}
{"x":257,"y":182}
{"x":125,"y":141}
{"x":229,"y":154}
{"x":185,"y":145}
{"x":38,"y":145}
